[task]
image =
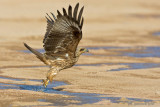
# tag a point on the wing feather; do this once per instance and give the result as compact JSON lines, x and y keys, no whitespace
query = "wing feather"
{"x":80,"y":14}
{"x":50,"y":18}
{"x":49,"y":26}
{"x":53,"y":16}
{"x":81,"y":25}
{"x":64,"y":12}
{"x":70,"y":11}
{"x":75,"y":11}
{"x":59,"y":14}
{"x":63,"y":33}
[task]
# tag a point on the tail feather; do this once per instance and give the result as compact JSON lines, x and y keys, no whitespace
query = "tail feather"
{"x":38,"y":54}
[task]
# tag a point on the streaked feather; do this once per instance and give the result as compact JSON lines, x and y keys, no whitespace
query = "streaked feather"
{"x":60,"y":41}
{"x":64,"y":33}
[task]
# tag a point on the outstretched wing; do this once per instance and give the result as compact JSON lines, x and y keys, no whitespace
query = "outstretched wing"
{"x":63,"y":33}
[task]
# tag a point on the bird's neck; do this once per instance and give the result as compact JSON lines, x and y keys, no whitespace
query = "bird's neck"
{"x":78,"y":54}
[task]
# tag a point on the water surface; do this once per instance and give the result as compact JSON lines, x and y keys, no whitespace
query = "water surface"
{"x":90,"y":98}
{"x":79,"y":98}
{"x":138,"y":52}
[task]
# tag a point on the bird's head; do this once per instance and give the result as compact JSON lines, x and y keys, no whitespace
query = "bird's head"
{"x":82,"y":50}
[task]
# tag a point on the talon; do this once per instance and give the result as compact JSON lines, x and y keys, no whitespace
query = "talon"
{"x":45,"y":82}
{"x":50,"y":77}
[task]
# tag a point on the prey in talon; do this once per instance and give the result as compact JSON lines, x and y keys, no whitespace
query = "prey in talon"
{"x":61,"y":40}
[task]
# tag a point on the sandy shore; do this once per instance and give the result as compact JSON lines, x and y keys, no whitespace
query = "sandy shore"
{"x":108,"y":23}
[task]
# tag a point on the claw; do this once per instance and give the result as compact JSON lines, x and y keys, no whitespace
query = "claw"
{"x":45,"y":82}
{"x":50,"y":78}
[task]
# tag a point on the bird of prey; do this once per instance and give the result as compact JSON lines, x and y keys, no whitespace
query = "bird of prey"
{"x":61,"y":40}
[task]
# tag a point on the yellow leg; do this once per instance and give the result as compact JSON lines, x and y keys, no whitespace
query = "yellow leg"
{"x":50,"y":75}
{"x":45,"y":82}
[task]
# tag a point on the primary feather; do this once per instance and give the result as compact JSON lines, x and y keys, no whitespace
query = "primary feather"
{"x":61,"y":40}
{"x":63,"y":35}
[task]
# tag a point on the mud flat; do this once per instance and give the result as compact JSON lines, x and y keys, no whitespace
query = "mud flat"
{"x":121,"y":70}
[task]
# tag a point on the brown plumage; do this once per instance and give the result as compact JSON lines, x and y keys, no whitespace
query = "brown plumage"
{"x":61,"y":40}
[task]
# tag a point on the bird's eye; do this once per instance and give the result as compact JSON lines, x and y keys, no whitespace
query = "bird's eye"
{"x":81,"y":49}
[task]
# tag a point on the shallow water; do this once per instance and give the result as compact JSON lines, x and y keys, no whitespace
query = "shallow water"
{"x":129,"y":66}
{"x":156,"y":34}
{"x":89,"y":98}
{"x":134,"y":51}
{"x":132,"y":66}
{"x":144,"y":52}
{"x":80,"y":98}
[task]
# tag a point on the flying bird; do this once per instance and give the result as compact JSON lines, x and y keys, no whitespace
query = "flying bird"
{"x":61,"y":40}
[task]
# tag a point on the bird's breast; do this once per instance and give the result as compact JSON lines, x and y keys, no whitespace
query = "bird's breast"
{"x":63,"y":63}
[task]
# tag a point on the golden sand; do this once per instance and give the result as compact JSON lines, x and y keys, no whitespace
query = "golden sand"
{"x":125,"y":23}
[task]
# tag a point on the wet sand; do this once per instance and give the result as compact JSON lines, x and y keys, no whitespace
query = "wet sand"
{"x":108,"y":23}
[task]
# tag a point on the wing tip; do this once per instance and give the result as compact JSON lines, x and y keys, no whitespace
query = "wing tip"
{"x":77,"y":4}
{"x":64,"y":12}
{"x":58,"y":12}
{"x":75,"y":11}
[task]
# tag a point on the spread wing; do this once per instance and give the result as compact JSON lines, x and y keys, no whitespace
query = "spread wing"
{"x":63,"y":33}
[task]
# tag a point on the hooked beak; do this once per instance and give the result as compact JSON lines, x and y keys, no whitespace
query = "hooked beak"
{"x":87,"y":50}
